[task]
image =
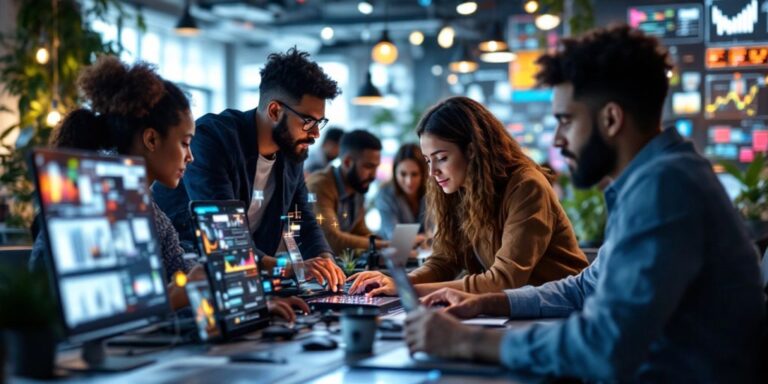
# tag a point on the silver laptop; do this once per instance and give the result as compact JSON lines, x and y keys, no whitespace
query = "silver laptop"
{"x":401,"y":358}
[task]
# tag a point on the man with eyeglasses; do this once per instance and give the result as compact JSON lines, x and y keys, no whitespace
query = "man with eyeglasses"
{"x":257,"y":157}
{"x":341,"y":191}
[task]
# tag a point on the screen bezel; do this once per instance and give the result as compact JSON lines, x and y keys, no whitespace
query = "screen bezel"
{"x":102,"y":328}
{"x":264,"y":312}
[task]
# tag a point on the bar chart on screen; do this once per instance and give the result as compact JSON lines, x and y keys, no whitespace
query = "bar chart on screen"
{"x":731,"y":21}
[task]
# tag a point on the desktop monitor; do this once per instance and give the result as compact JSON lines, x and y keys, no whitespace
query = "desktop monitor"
{"x":105,"y":261}
{"x":232,"y":265}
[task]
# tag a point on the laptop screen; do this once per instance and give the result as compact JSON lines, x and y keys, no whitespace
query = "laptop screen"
{"x":99,"y":222}
{"x":232,"y":264}
{"x":408,"y":296}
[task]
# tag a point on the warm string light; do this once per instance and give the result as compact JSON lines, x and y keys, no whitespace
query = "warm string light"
{"x":42,"y":56}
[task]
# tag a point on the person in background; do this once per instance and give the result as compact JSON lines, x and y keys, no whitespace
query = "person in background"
{"x":257,"y":157}
{"x":496,"y":214}
{"x":675,"y":293}
{"x":329,"y":150}
{"x":340,"y":192}
{"x":401,"y":201}
{"x":133,"y":111}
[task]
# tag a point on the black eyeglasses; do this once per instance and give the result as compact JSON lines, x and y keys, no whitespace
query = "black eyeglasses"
{"x":309,"y":121}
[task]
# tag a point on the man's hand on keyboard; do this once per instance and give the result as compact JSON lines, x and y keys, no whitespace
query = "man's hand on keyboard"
{"x":324,"y":269}
{"x":372,"y":283}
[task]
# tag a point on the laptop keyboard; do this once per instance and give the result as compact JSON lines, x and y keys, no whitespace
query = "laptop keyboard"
{"x":351,"y":299}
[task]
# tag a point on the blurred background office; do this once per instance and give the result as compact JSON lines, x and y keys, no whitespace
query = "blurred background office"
{"x":392,"y":59}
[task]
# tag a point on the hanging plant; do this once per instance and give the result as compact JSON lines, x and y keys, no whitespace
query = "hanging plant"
{"x":59,"y":29}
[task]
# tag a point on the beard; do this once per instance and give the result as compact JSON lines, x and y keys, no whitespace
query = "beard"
{"x":287,"y":144}
{"x":595,"y":160}
{"x":354,"y":181}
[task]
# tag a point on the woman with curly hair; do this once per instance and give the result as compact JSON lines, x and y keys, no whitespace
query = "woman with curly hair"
{"x":499,"y":223}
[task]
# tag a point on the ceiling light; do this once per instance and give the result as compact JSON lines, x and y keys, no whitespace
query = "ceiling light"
{"x":416,"y":38}
{"x":502,"y":56}
{"x":495,"y":40}
{"x":368,"y":94}
{"x":326,"y":33}
{"x":187,"y":26}
{"x":531,"y":6}
{"x":437,"y":70}
{"x":365,"y":7}
{"x":463,"y":61}
{"x":547,"y":21}
{"x":445,"y":37}
{"x":384,"y":52}
{"x":452,"y":79}
{"x":466,"y":8}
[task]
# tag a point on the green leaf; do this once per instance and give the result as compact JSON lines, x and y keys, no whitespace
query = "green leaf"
{"x":734,"y":171}
{"x":752,"y":175}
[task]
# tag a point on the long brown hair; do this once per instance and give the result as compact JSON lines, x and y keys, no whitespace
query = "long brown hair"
{"x":410,"y":151}
{"x":492,"y":155}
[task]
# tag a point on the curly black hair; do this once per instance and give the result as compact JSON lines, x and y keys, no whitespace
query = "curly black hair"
{"x":616,"y":63}
{"x":124,"y":100}
{"x":291,"y":75}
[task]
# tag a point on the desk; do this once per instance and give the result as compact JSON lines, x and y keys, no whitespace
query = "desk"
{"x":302,"y":367}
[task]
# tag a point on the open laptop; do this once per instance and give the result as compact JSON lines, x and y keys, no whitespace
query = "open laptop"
{"x":401,"y":358}
{"x":402,"y":243}
{"x":232,"y":267}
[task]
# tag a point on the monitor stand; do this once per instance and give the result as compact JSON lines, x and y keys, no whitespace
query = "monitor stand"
{"x":95,"y":359}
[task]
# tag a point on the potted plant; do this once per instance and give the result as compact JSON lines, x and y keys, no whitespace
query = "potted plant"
{"x":752,"y":200}
{"x":28,"y":322}
{"x":587,"y":211}
{"x":347,"y":260}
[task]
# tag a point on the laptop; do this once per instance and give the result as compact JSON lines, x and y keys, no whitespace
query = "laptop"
{"x":232,"y":267}
{"x":402,"y":359}
{"x":402,"y":243}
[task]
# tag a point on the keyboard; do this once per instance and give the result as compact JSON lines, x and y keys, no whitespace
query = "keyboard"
{"x":353,"y":300}
{"x":340,"y":301}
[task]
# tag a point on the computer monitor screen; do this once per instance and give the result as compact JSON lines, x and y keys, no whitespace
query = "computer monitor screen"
{"x":232,"y":265}
{"x":99,"y":227}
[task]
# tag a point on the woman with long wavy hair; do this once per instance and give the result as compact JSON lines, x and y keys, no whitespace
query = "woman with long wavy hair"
{"x":499,"y":222}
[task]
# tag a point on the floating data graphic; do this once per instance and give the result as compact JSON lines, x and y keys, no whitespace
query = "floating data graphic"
{"x":736,"y":21}
{"x":673,"y":23}
{"x":738,"y":141}
{"x":742,"y":23}
{"x":239,"y":262}
{"x":736,"y":96}
{"x":737,"y":57}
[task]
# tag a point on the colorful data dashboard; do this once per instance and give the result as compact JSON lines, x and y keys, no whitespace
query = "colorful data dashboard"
{"x":718,"y":96}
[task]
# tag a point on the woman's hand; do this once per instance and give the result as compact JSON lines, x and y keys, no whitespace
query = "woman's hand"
{"x":375,"y":282}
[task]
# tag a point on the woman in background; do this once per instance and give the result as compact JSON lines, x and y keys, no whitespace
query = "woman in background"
{"x":401,"y":201}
